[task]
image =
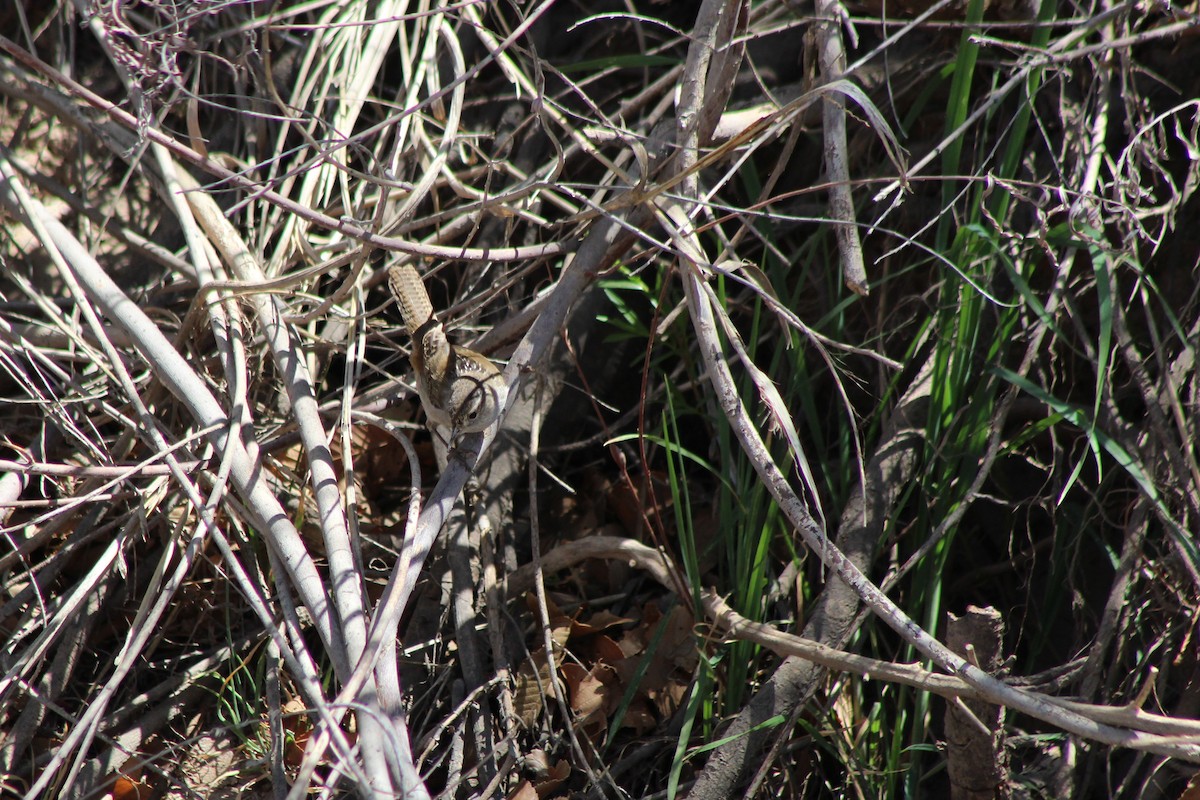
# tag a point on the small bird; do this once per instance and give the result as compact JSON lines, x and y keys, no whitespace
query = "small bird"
{"x":459,"y":388}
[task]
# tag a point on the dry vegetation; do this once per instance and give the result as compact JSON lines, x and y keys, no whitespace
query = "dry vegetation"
{"x":921,"y":278}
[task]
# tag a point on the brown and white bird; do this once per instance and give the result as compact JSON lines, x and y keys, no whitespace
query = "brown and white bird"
{"x":459,"y":388}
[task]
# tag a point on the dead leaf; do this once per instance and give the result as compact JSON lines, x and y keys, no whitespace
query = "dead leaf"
{"x":529,"y":696}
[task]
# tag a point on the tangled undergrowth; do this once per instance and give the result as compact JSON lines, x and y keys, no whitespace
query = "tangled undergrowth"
{"x":850,"y":355}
